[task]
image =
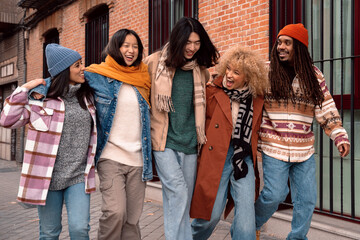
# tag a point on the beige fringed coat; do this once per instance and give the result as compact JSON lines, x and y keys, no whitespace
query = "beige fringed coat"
{"x":160,"y":119}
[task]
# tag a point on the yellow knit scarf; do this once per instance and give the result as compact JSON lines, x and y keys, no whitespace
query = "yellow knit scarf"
{"x":137,"y":76}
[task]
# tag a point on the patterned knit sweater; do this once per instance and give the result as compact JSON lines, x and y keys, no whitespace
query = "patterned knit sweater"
{"x":285,"y":132}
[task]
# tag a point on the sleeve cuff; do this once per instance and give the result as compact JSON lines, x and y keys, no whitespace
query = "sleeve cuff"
{"x":21,"y":89}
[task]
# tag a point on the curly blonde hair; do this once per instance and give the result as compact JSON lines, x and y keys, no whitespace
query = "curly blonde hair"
{"x":250,"y":63}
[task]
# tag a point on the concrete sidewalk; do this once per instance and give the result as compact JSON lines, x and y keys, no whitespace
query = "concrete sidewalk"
{"x":17,"y":222}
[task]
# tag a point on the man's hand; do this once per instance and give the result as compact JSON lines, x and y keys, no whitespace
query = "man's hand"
{"x":344,"y":149}
{"x":34,"y":83}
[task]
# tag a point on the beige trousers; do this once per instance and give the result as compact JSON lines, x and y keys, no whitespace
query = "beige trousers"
{"x":123,"y":194}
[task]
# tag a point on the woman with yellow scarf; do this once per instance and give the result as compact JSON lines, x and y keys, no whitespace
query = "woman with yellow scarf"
{"x":121,"y":87}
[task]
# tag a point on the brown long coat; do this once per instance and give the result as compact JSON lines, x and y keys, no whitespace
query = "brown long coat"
{"x":213,"y":154}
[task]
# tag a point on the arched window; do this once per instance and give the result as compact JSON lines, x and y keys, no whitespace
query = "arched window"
{"x":96,"y":33}
{"x":51,"y":36}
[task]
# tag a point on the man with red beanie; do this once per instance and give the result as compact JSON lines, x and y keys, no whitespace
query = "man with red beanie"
{"x":298,"y":93}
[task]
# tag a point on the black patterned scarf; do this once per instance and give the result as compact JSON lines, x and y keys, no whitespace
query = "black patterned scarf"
{"x":243,"y":130}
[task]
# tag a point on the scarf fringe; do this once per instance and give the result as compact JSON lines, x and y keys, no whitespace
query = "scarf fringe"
{"x":164,"y":103}
{"x":201,"y":137}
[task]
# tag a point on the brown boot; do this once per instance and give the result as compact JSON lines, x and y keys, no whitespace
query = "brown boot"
{"x":257,"y":234}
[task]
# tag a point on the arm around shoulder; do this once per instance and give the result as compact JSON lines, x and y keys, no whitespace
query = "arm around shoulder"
{"x":38,"y":88}
{"x":152,"y":62}
{"x":16,"y":112}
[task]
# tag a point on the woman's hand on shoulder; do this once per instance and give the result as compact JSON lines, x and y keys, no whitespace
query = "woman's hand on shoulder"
{"x":210,"y":83}
{"x":37,"y":96}
{"x":34,"y":83}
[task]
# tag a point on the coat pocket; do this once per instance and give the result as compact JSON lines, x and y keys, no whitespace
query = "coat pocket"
{"x":102,"y":103}
{"x":40,"y":118}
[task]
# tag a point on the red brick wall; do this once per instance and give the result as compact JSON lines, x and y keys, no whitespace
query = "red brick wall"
{"x":232,"y":22}
{"x":132,"y":15}
{"x":228,"y":22}
{"x":72,"y":33}
{"x":34,"y":56}
{"x":70,"y":23}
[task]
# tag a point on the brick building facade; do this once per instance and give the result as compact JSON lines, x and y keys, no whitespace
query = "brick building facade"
{"x":12,"y":72}
{"x":77,"y":24}
{"x":70,"y":22}
{"x":237,"y":22}
{"x":227,"y":22}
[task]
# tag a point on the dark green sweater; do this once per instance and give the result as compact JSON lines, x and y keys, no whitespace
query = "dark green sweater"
{"x":182,"y":131}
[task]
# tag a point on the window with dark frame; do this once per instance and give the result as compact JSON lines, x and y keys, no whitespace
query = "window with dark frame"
{"x":7,"y":70}
{"x":51,"y":36}
{"x":96,"y":34}
{"x":163,"y":15}
{"x":334,"y":28}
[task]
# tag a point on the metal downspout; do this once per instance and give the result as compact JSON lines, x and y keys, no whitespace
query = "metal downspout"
{"x":22,"y":131}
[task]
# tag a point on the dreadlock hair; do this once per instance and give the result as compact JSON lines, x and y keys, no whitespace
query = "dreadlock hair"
{"x":281,"y":83}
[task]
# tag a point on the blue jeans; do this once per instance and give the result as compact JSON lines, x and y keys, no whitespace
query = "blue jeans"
{"x":243,"y":193}
{"x":77,"y":204}
{"x":303,"y":193}
{"x":177,"y":173}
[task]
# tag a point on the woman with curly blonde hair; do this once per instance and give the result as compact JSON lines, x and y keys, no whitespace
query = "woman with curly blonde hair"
{"x":228,"y":159}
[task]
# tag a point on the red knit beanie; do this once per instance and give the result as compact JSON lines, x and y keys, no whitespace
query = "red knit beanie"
{"x":297,"y":31}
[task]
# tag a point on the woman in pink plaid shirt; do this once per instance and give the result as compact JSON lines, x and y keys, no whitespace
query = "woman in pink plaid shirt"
{"x":58,"y":165}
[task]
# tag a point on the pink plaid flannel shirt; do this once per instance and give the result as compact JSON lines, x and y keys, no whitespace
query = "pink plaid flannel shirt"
{"x":43,"y":137}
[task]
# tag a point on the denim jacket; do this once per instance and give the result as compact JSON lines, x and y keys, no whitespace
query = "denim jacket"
{"x":106,"y":91}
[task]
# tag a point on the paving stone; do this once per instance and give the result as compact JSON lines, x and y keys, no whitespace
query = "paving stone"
{"x":17,"y":222}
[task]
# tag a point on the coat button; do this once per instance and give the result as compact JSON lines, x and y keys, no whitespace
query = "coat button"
{"x":211,"y":148}
{"x":216,"y":125}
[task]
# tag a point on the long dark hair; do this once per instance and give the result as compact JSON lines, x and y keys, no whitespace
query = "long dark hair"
{"x":281,"y":82}
{"x":116,"y":41}
{"x":60,"y":86}
{"x":206,"y":56}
